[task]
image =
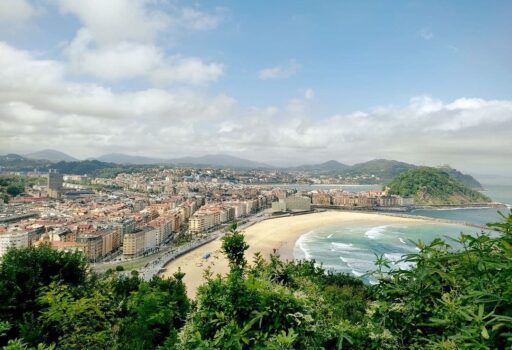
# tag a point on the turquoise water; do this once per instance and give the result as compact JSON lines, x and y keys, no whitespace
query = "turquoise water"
{"x":499,"y":193}
{"x":353,"y":249}
{"x":479,"y":216}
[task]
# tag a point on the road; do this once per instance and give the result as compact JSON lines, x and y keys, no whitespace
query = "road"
{"x":150,"y":265}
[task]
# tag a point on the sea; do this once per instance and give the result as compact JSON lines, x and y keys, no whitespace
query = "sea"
{"x":353,"y":249}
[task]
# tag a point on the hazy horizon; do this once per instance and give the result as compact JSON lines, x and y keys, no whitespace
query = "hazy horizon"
{"x":291,"y":83}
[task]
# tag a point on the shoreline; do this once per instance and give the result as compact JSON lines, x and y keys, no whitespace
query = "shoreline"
{"x":276,"y":234}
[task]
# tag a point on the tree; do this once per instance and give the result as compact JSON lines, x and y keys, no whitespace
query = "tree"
{"x":155,"y":313}
{"x":234,"y":246}
{"x":83,"y":322}
{"x":15,"y":189}
{"x":24,"y":272}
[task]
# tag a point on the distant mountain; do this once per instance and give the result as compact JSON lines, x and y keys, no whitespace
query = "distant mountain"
{"x":378,"y":171}
{"x":17,"y":162}
{"x":465,"y":179}
{"x":120,"y":158}
{"x":433,"y":186}
{"x":384,"y":169}
{"x":221,"y":160}
{"x":331,"y":165}
{"x":51,"y":155}
{"x":82,"y":167}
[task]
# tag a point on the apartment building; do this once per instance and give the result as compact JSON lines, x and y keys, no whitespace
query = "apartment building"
{"x":13,"y":239}
{"x":133,"y":244}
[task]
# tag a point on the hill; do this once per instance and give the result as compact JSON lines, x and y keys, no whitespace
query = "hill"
{"x":120,"y":158}
{"x":432,"y":186}
{"x":383,"y":169}
{"x":329,"y":166}
{"x":379,"y":171}
{"x":17,"y":162}
{"x":220,"y":160}
{"x":51,"y":155}
{"x":465,"y":179}
{"x":84,"y":167}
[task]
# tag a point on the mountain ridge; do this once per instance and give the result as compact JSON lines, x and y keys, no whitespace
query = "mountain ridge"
{"x":51,"y":155}
{"x":378,"y":171}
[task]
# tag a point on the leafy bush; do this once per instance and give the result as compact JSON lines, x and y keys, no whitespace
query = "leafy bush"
{"x":453,"y":298}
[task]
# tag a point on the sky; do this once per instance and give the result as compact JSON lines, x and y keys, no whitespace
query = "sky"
{"x":281,"y":82}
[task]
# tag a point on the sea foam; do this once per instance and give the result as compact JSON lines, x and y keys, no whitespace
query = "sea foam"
{"x":344,"y":246}
{"x":302,"y":243}
{"x":375,"y":232}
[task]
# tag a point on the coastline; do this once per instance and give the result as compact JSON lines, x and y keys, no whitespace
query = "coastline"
{"x":278,"y":234}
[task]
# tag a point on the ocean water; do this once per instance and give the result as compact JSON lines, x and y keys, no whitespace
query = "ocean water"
{"x":353,"y":249}
{"x":498,"y":192}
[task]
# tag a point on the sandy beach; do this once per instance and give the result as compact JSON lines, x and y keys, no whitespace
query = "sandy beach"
{"x":264,"y":237}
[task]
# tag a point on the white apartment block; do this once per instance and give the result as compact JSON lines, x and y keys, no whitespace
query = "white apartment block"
{"x":13,"y":239}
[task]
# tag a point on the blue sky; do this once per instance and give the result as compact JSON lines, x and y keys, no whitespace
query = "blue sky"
{"x":282,"y":82}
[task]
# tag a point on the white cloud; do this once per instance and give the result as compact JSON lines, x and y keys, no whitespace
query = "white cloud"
{"x":38,"y":106}
{"x":16,"y":11}
{"x":118,"y":41}
{"x":41,"y":108}
{"x":280,"y":72}
{"x":309,"y":94}
{"x":129,"y":60}
{"x":117,"y":20}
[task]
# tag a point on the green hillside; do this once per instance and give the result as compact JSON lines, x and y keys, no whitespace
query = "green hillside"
{"x":385,"y":170}
{"x":431,"y":186}
{"x":17,"y":162}
{"x":465,"y":179}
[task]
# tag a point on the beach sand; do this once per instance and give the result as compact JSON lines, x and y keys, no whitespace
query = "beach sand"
{"x":279,"y":233}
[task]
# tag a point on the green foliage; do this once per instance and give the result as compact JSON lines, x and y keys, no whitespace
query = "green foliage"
{"x":49,"y":298}
{"x":154,"y":314}
{"x":465,"y":179}
{"x":384,"y":169}
{"x":82,"y":167}
{"x":15,"y":185}
{"x":23,"y":272}
{"x":15,"y":189}
{"x":12,"y":185}
{"x":76,"y":322}
{"x":234,"y":246}
{"x":272,"y":305}
{"x":453,"y":298}
{"x":457,"y":295}
{"x":17,"y":162}
{"x":433,"y":186}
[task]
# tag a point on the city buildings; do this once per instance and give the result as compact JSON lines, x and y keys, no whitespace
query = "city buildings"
{"x":134,"y":214}
{"x":55,"y":182}
{"x":293,"y":203}
{"x":14,"y":238}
